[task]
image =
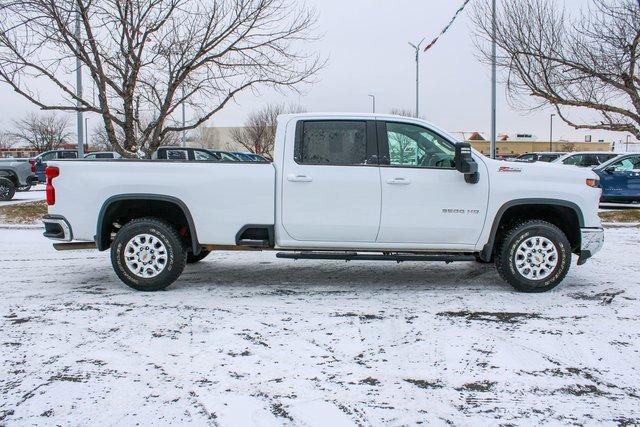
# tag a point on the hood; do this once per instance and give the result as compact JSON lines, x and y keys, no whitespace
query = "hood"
{"x":558,"y":170}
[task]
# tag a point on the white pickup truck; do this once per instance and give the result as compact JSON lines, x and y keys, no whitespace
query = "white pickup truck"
{"x":342,"y":186}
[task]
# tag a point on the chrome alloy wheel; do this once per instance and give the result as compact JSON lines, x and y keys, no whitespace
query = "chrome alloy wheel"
{"x":536,"y":258}
{"x":145,"y":256}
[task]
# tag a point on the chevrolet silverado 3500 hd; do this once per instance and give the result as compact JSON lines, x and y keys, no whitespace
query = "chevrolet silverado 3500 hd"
{"x":342,"y":186}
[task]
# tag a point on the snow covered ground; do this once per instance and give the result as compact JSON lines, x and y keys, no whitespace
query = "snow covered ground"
{"x":245,"y":339}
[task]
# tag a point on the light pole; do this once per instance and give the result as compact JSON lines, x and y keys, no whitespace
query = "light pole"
{"x":417,"y":49}
{"x":80,"y":125}
{"x":184,"y":120}
{"x":551,"y":133}
{"x":373,"y":100}
{"x":86,"y":132}
{"x":494,"y":83}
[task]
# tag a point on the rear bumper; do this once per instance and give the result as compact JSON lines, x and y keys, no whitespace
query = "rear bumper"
{"x":592,"y":240}
{"x":56,"y":227}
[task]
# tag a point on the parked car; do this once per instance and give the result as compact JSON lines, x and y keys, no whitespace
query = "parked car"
{"x":39,"y":163}
{"x":15,"y":175}
{"x":102,"y":155}
{"x":544,"y":156}
{"x":258,"y":158}
{"x":620,"y":179}
{"x":586,"y":159}
{"x":193,"y":154}
{"x":342,"y":186}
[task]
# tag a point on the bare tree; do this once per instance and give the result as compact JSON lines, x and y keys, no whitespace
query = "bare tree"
{"x":206,"y":137}
{"x":146,"y":58}
{"x":404,"y":112}
{"x":100,"y":140}
{"x":259,"y":132}
{"x":7,"y":140}
{"x":42,"y":132}
{"x":573,"y":63}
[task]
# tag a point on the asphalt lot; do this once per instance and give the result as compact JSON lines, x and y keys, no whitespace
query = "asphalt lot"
{"x":248,"y":339}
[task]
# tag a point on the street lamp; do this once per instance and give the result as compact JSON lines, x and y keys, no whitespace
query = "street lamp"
{"x":417,"y":49}
{"x":494,"y":81}
{"x":373,"y":100}
{"x":551,"y":133}
{"x":79,"y":89}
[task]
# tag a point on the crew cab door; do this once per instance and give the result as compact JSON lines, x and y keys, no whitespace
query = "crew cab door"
{"x":331,"y":182}
{"x":424,"y":199}
{"x":622,"y":178}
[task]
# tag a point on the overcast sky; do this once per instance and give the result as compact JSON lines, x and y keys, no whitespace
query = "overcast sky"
{"x":366,"y":43}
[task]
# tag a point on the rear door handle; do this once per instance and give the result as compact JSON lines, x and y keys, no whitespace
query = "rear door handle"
{"x":398,"y":181}
{"x":299,"y":178}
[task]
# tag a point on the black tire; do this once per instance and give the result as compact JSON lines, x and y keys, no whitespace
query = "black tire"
{"x":23,"y":188}
{"x":192,"y":259}
{"x":507,"y":256}
{"x":7,"y":189}
{"x":171,"y":268}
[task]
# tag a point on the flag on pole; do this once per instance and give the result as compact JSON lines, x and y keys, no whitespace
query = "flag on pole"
{"x":445,"y":29}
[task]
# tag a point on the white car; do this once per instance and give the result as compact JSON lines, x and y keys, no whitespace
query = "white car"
{"x":342,"y":186}
{"x":585,"y":159}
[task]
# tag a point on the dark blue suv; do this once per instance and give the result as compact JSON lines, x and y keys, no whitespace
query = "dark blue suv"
{"x":620,"y":179}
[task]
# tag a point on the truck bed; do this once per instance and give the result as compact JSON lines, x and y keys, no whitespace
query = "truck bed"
{"x":231,"y":195}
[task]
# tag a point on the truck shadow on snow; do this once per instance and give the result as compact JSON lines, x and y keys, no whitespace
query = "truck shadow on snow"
{"x":363,"y":275}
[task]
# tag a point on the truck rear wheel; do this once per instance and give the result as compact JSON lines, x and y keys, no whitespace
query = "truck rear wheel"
{"x":148,"y":254}
{"x":7,"y":189}
{"x":534,"y":256}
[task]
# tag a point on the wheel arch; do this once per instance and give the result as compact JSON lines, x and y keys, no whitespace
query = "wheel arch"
{"x":11,"y":175}
{"x":565,"y":214}
{"x":141,"y":205}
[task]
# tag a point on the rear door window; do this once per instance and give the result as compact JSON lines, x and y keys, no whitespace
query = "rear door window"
{"x":341,"y":143}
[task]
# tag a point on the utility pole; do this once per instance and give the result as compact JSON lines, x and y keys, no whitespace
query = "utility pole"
{"x":494,"y":82}
{"x":86,"y":132}
{"x":417,"y":49}
{"x":373,"y":99}
{"x":80,"y":124}
{"x":626,"y":150}
{"x":551,"y":133}
{"x":184,"y":120}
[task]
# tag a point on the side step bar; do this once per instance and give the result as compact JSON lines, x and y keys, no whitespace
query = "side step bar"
{"x":254,"y":243}
{"x":356,"y":256}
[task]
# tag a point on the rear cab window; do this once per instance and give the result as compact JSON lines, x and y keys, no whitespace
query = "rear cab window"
{"x":335,"y":143}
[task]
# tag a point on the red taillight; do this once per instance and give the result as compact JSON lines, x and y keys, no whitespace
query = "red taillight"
{"x":51,"y":172}
{"x":33,"y":165}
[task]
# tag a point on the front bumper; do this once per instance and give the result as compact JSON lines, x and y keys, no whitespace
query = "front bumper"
{"x":56,"y":227}
{"x":592,"y":240}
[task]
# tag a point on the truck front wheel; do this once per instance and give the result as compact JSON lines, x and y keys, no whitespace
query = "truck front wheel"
{"x":148,"y":254}
{"x":7,"y":189}
{"x":534,"y":256}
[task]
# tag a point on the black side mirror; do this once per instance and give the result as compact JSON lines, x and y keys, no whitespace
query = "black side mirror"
{"x":610,"y":169}
{"x":465,"y":164}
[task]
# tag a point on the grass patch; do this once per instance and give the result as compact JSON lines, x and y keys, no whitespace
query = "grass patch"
{"x":621,"y":215}
{"x":23,"y":213}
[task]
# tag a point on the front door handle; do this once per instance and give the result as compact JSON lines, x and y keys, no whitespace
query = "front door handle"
{"x":299,"y":178}
{"x":398,"y":181}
